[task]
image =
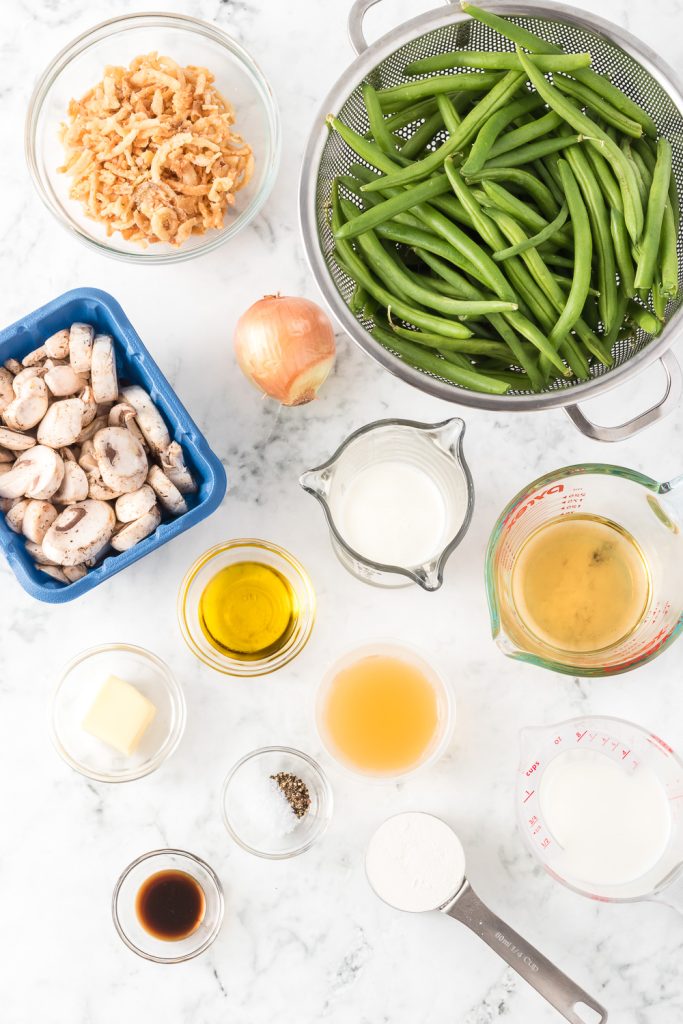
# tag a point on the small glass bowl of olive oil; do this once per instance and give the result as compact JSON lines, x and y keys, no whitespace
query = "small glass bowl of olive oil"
{"x":246,"y":607}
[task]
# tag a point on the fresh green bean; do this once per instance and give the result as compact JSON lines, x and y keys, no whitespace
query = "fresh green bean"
{"x":499,"y":196}
{"x":416,"y":356}
{"x":407,"y":116}
{"x":358,"y":299}
{"x":468,"y":346}
{"x":362,"y":147}
{"x":565,"y":282}
{"x":587,"y":97}
{"x":451,"y":118}
{"x":495,"y":61}
{"x":668,"y":255}
{"x":490,"y":130}
{"x":602,"y":238}
{"x":600,"y":83}
{"x":409,"y":92}
{"x":659,"y":195}
{"x":382,"y":135}
{"x":580,"y":122}
{"x":533,"y":241}
{"x":533,"y":150}
{"x":423,"y":135}
{"x":549,"y":181}
{"x":481,"y":222}
{"x":644,"y":319}
{"x":499,"y":95}
{"x":520,"y":351}
{"x":539,"y":192}
{"x":583,"y":247}
{"x":526,"y":133}
{"x":625,"y":147}
{"x":400,"y":282}
{"x":420,"y":239}
{"x":388,"y":208}
{"x":659,"y":301}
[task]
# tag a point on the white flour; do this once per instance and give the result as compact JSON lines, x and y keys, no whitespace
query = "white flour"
{"x":415,"y":862}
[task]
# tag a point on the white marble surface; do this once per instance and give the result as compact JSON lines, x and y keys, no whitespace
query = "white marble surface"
{"x":303,"y":941}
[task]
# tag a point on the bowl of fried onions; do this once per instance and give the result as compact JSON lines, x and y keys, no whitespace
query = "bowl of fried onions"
{"x":153,"y":138}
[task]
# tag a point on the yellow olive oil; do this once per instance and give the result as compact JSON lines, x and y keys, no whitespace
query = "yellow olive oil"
{"x":580,"y":583}
{"x":248,"y":611}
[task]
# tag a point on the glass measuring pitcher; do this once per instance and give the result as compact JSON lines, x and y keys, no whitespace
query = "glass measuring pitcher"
{"x":435,"y":449}
{"x":637,"y":751}
{"x":651,"y":512}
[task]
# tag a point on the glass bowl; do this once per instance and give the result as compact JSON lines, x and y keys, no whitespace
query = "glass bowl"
{"x":445,"y":708}
{"x":206,"y":567}
{"x":126,"y":920}
{"x":78,"y":687}
{"x":80,"y":65}
{"x":249,"y":823}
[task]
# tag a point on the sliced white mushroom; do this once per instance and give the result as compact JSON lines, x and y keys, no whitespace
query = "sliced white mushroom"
{"x":62,"y":423}
{"x":168,"y":494}
{"x":80,"y":532}
{"x":74,"y":572}
{"x":35,"y":357}
{"x":99,"y":490}
{"x":62,"y":381}
{"x":37,"y":554}
{"x":13,"y":365}
{"x":87,"y":459}
{"x":6,"y":388}
{"x":103,"y":369}
{"x":26,"y":411}
{"x":89,"y":431}
{"x":135,"y":504}
{"x":14,"y":517}
{"x":37,"y":519}
{"x":121,"y":459}
{"x":57,"y":345}
{"x":15,"y":441}
{"x":74,"y":486}
{"x":89,"y":405}
{"x":21,"y":379}
{"x":80,"y":347}
{"x":174,"y":466}
{"x":52,"y":570}
{"x":148,"y":417}
{"x":134,"y":532}
{"x":37,"y":473}
{"x":123,"y":415}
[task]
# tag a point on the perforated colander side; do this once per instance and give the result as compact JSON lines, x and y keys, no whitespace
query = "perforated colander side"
{"x":609,"y":58}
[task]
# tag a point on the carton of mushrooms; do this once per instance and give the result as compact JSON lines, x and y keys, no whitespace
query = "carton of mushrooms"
{"x":87,"y":465}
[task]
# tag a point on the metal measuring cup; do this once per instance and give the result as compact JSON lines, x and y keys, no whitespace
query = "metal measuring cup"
{"x":568,"y":998}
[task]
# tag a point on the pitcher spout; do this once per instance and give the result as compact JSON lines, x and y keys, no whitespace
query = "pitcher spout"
{"x":315,"y":482}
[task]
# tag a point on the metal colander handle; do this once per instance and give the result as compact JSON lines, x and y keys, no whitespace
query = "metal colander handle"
{"x":356,"y":19}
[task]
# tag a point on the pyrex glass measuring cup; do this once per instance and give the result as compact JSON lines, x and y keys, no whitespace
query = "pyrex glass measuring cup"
{"x":636,"y":751}
{"x":434,"y":448}
{"x":404,"y":883}
{"x":651,"y":512}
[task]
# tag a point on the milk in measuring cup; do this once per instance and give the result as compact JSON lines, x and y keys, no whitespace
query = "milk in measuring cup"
{"x":612,"y":821}
{"x":393,"y":513}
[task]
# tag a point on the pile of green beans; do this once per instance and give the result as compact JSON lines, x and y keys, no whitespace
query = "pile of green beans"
{"x":507,"y":223}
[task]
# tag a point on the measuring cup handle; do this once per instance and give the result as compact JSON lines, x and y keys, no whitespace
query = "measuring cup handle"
{"x":355,"y":24}
{"x":559,"y":990}
{"x":666,"y":404}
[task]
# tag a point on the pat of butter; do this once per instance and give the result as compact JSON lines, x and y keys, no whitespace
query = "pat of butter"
{"x":119,"y":716}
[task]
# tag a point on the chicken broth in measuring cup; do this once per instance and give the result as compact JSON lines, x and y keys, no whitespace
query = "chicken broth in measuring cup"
{"x":580,"y":583}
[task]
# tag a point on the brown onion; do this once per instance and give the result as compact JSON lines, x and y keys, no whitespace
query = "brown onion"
{"x":285,"y":345}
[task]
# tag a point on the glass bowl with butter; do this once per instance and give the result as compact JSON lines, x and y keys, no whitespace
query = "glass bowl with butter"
{"x":117,"y":713}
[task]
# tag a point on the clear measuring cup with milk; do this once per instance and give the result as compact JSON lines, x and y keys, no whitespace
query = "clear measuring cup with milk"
{"x":398,"y":499}
{"x":600,"y":804}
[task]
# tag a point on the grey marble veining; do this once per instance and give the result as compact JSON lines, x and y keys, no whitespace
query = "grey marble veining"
{"x":304,"y":942}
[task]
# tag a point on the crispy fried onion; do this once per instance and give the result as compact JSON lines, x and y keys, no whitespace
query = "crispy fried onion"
{"x":152,"y":154}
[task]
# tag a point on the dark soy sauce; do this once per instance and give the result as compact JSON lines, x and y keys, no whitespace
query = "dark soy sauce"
{"x":170,"y":905}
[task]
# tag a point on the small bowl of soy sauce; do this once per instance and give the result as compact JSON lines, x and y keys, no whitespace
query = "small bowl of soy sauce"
{"x":168,"y":906}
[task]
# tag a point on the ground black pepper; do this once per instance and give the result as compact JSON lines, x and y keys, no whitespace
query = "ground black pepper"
{"x":295,"y":790}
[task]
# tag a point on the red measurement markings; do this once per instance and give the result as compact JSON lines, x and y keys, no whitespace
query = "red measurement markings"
{"x":624,"y":754}
{"x":528,"y":793}
{"x":519,"y":510}
{"x":580,"y":735}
